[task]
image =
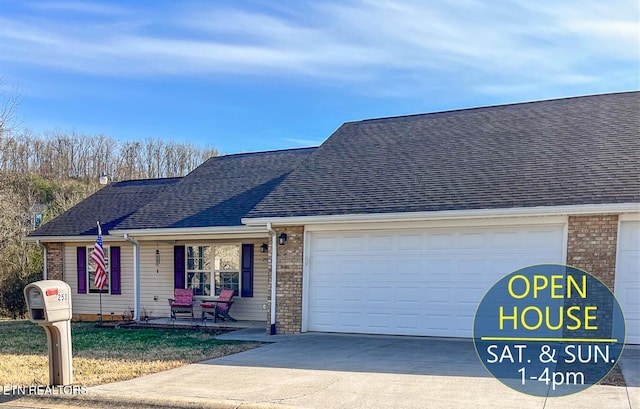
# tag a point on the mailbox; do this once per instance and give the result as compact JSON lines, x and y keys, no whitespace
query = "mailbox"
{"x":49,"y":305}
{"x":48,"y":301}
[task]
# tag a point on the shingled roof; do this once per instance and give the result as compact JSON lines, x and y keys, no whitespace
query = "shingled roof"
{"x":572,"y":151}
{"x":110,"y":205}
{"x":220,"y":192}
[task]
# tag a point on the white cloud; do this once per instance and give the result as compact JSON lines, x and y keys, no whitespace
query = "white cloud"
{"x":77,"y":7}
{"x":302,"y":142}
{"x":493,"y":47}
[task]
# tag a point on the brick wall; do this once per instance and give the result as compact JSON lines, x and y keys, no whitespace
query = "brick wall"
{"x":54,"y":261}
{"x":289,"y":285}
{"x":591,"y":245}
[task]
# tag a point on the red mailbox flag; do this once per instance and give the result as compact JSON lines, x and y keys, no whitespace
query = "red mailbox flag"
{"x":100,"y":279}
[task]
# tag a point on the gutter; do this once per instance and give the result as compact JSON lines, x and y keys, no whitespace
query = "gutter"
{"x":45,"y":270}
{"x":69,"y":239}
{"x":274,"y":275}
{"x":136,"y":277}
{"x":191,"y":231}
{"x":619,"y":208}
{"x":169,"y":234}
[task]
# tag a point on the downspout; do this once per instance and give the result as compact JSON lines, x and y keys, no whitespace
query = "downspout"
{"x":45,"y":273}
{"x":136,"y":277}
{"x":274,"y":257}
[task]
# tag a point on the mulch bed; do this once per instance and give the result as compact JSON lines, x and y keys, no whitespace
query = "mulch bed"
{"x":614,"y":378}
{"x":143,"y":325}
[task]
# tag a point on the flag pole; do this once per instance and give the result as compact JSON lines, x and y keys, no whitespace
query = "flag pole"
{"x":100,"y":289}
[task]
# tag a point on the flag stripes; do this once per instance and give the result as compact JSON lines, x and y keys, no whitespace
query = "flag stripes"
{"x":100,"y":278}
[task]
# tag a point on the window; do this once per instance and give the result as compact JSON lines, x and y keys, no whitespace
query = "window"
{"x":199,"y":269}
{"x":91,"y":270}
{"x":213,"y":266}
{"x":226,"y":267}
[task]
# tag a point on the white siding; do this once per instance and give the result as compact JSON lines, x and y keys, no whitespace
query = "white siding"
{"x":156,"y":284}
{"x":90,"y":303}
{"x":160,"y":284}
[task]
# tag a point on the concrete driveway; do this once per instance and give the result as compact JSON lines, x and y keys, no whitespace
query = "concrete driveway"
{"x":345,"y":371}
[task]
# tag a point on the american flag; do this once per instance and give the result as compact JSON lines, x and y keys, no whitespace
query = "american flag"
{"x":100,"y":278}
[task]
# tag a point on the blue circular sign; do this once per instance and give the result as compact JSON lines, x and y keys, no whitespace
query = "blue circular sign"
{"x":549,"y":330}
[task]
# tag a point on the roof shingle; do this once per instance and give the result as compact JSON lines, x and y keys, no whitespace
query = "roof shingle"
{"x":220,"y":192}
{"x":581,"y":150}
{"x":110,"y":205}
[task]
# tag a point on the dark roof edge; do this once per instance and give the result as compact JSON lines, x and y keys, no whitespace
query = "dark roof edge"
{"x":447,"y":111}
{"x":147,"y":180}
{"x":265,"y":152}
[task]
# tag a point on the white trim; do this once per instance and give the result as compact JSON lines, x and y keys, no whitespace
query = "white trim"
{"x":274,"y":277}
{"x":630,"y":217}
{"x":446,"y":223}
{"x":107,"y":253}
{"x":197,"y":233}
{"x":45,"y":268}
{"x":188,"y":233}
{"x":72,"y":239}
{"x":615,"y":273}
{"x":565,"y":241}
{"x":136,"y":277}
{"x":212,"y":271}
{"x":447,"y":214}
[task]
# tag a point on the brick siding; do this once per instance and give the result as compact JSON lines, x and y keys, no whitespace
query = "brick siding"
{"x":55,"y":261}
{"x":591,"y":245}
{"x":289,"y":285}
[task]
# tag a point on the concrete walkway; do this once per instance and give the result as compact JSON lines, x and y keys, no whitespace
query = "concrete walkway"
{"x":345,"y":371}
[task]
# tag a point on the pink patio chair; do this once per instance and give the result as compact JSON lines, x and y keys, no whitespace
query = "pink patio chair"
{"x":219,"y":308}
{"x":182,"y":302}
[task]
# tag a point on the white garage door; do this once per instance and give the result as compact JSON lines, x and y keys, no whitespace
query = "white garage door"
{"x":426,"y":282}
{"x":627,"y":286}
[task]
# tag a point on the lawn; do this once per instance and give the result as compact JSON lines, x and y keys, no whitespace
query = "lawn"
{"x":103,"y":355}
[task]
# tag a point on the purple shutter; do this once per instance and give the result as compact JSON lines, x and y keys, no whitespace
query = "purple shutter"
{"x":247,"y":270}
{"x":178,"y":266}
{"x":115,"y":270}
{"x":82,"y":269}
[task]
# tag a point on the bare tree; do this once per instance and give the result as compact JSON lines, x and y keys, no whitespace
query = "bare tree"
{"x":9,"y":101}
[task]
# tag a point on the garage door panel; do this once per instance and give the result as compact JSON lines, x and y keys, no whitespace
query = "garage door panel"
{"x":475,"y":240}
{"x":630,"y":236}
{"x":627,"y":284}
{"x":543,"y":239}
{"x":414,"y":282}
{"x":443,"y":241}
{"x":408,"y":295}
{"x":506,"y":239}
{"x":410,"y":241}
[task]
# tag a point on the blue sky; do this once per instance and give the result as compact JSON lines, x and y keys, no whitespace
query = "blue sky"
{"x":258,"y":75}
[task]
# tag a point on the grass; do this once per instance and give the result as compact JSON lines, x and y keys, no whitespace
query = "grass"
{"x":104,"y":355}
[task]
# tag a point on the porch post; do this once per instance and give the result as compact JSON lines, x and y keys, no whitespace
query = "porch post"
{"x":274,"y":256}
{"x":136,"y":277}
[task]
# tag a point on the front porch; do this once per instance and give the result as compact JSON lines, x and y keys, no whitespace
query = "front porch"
{"x":184,"y":322}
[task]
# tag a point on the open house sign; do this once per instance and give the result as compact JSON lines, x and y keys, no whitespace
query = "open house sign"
{"x":549,"y":330}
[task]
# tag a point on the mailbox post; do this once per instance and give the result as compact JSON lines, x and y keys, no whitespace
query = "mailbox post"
{"x":49,"y":305}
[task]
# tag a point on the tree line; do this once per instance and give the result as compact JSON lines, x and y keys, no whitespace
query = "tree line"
{"x":43,"y":176}
{"x":73,"y":155}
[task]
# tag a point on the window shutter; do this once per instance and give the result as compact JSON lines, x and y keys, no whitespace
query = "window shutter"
{"x":82,"y":269}
{"x":178,"y":266}
{"x":115,"y":270}
{"x":247,"y":270}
